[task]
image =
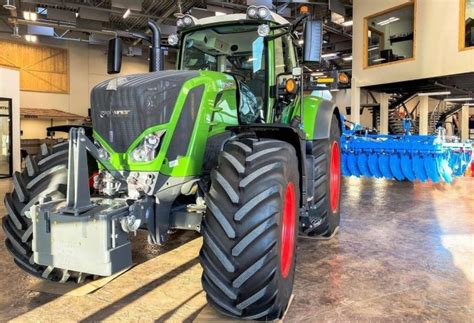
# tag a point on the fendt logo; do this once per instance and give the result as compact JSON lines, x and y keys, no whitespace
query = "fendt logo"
{"x":117,"y":113}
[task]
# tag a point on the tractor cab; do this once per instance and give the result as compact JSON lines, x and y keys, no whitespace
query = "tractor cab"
{"x":257,"y":48}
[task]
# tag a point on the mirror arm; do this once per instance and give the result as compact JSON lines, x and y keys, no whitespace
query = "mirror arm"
{"x":298,"y":21}
{"x":269,"y":38}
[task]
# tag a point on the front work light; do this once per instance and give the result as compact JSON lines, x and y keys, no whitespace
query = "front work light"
{"x":173,"y":39}
{"x":263,"y":30}
{"x":185,"y":21}
{"x":261,"y":12}
{"x":252,"y":12}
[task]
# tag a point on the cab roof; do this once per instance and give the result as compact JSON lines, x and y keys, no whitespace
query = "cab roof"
{"x":238,"y":17}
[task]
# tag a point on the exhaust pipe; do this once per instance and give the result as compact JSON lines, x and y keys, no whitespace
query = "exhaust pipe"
{"x":155,"y":49}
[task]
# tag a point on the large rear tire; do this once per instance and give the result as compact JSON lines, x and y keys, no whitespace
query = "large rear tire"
{"x":44,"y":176}
{"x":324,"y":210}
{"x":250,"y":229}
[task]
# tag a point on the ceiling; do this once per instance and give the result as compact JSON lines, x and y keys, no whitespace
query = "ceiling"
{"x":95,"y":21}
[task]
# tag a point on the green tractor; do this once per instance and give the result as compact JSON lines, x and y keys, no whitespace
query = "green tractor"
{"x":227,"y":145}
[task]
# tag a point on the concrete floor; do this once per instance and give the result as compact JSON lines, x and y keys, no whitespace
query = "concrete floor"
{"x":404,"y":252}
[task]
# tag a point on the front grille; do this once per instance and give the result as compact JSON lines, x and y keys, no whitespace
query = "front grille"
{"x":122,"y":108}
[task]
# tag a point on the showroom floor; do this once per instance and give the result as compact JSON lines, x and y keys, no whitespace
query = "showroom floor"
{"x":404,"y":252}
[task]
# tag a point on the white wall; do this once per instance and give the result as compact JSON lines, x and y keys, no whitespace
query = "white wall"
{"x":10,"y":88}
{"x":436,"y":43}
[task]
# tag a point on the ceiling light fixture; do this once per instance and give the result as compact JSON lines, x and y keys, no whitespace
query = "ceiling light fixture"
{"x":31,"y":38}
{"x":127,"y":13}
{"x":458,"y":99}
{"x":347,"y":23}
{"x":347,"y":58}
{"x":317,"y":74}
{"x":329,"y":55}
{"x":378,"y":60}
{"x":388,"y":21}
{"x":30,"y":15}
{"x":434,"y":93}
{"x":9,"y":5}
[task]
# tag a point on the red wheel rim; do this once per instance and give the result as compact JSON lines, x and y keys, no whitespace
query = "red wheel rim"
{"x":288,"y":230}
{"x":335,"y":176}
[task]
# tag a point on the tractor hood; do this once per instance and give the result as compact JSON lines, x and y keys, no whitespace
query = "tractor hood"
{"x":123,"y":107}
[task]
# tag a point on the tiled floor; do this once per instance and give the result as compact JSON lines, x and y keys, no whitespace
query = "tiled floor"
{"x":404,"y":252}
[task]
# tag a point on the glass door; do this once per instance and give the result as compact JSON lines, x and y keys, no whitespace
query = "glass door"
{"x":5,"y":137}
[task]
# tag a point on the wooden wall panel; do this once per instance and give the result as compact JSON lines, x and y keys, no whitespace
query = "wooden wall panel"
{"x":42,"y":69}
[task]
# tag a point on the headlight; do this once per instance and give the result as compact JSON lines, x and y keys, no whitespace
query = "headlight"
{"x":148,"y":148}
{"x":139,"y":154}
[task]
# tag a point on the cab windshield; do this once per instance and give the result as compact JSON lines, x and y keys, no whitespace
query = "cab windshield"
{"x":237,"y":50}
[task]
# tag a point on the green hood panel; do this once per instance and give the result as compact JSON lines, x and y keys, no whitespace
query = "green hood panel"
{"x":205,"y":106}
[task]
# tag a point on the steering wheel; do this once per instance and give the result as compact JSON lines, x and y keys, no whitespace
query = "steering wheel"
{"x":237,"y":74}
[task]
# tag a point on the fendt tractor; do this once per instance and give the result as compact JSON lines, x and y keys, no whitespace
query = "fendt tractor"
{"x":227,"y":145}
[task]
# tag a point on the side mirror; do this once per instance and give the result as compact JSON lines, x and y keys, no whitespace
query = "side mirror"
{"x":313,"y":40}
{"x":114,"y":56}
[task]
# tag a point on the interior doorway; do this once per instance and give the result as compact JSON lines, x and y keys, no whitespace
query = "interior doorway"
{"x":6,"y":163}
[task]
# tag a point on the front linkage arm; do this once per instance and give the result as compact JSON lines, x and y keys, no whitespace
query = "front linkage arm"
{"x":78,"y":195}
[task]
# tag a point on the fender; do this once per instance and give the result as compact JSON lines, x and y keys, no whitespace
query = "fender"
{"x":291,"y":135}
{"x":317,"y":117}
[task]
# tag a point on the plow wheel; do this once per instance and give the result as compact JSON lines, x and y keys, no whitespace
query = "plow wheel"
{"x":44,"y":177}
{"x":250,"y":229}
{"x":324,"y":211}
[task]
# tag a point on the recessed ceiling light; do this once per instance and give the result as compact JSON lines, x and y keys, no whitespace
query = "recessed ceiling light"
{"x":347,"y":58}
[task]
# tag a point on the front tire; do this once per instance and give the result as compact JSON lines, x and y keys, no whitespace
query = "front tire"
{"x":250,"y":229}
{"x":44,"y":176}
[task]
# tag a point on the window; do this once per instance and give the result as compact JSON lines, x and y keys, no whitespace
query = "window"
{"x":285,"y":59}
{"x":389,"y":36}
{"x":466,"y":40}
{"x":239,"y":51}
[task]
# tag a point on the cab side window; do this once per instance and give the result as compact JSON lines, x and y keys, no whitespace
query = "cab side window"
{"x":285,"y":59}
